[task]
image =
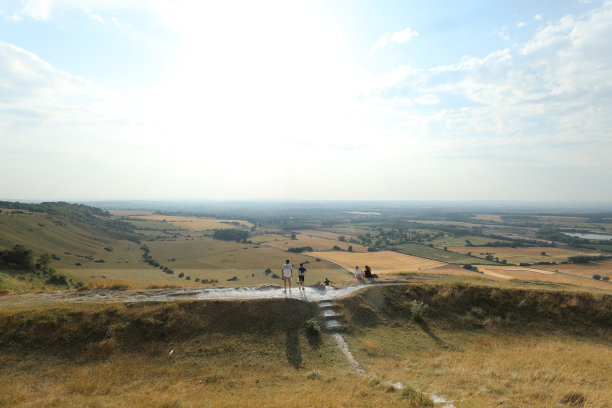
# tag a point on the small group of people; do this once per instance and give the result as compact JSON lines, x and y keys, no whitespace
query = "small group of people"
{"x":287,"y":272}
{"x":366,"y":273}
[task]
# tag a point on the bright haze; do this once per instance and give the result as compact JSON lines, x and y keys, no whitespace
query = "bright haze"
{"x":338,"y":100}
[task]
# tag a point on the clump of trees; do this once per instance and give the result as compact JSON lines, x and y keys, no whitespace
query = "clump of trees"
{"x":583,"y":259}
{"x":300,"y":249}
{"x":231,"y":235}
{"x":19,"y":258}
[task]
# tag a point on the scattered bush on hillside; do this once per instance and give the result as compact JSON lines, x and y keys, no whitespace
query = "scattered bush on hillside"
{"x":235,"y":278}
{"x":275,"y":276}
{"x":597,"y":277}
{"x":268,"y":271}
{"x":108,"y":249}
{"x":313,"y":328}
{"x":58,"y":280}
{"x":180,"y":275}
{"x":605,"y":278}
{"x":337,"y":248}
{"x":470,"y":268}
{"x":300,"y":249}
{"x":417,"y":309}
{"x":416,"y":398}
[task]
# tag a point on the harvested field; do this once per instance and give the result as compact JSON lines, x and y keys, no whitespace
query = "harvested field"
{"x":381,"y":262}
{"x":488,"y":217}
{"x":199,"y":224}
{"x":526,"y":255}
{"x":603,"y":268}
{"x":313,"y":242}
{"x":535,"y":274}
{"x":326,"y":234}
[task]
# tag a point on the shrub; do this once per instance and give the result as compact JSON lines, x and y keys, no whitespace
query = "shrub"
{"x":597,"y":277}
{"x":235,"y":278}
{"x":275,"y":276}
{"x":180,"y":275}
{"x":313,"y":328}
{"x":57,"y":279}
{"x":268,"y":271}
{"x":605,"y":279}
{"x":573,"y":399}
{"x":417,"y":309}
{"x":314,"y":375}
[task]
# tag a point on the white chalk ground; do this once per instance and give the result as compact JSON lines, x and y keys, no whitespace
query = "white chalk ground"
{"x":309,"y":294}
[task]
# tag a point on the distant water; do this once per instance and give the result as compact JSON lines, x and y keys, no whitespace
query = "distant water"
{"x":588,"y":235}
{"x":363,"y":213}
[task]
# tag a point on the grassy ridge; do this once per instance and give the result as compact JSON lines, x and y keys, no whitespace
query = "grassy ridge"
{"x":483,"y":346}
{"x":472,"y":306}
{"x":80,"y":328}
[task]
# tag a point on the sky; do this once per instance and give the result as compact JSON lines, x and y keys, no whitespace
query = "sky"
{"x":306,"y":100}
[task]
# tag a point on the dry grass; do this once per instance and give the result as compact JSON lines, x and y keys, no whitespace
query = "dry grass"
{"x":224,"y":354}
{"x":488,"y":368}
{"x":487,"y":346}
{"x":198,"y":224}
{"x":383,"y":262}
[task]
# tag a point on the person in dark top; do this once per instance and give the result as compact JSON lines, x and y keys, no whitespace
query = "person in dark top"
{"x":327,"y":282}
{"x":301,"y":276}
{"x":368,"y":273}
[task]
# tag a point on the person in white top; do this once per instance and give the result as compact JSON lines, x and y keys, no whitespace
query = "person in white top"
{"x":358,"y":273}
{"x":287,"y":274}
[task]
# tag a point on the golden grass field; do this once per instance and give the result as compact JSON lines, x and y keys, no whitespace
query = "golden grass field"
{"x":224,"y":354}
{"x":603,"y":268}
{"x":493,"y":347}
{"x":486,"y":368}
{"x":383,"y":262}
{"x":315,"y":243}
{"x":326,"y":234}
{"x":488,"y":217}
{"x":197,"y":224}
{"x":525,"y":254}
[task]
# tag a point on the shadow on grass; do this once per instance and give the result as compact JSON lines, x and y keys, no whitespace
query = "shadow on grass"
{"x":294,"y":353}
{"x":314,"y":341}
{"x":431,"y":334}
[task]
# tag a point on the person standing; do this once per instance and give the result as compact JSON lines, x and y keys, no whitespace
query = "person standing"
{"x":301,"y":276}
{"x":287,"y":274}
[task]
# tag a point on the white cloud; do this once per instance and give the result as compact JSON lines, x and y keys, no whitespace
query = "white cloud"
{"x":539,"y":99}
{"x":521,"y":24}
{"x":398,"y":37}
{"x":537,"y":17}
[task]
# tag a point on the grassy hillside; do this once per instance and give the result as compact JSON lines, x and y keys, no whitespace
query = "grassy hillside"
{"x":485,"y":346}
{"x":204,"y":354}
{"x":480,"y":346}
